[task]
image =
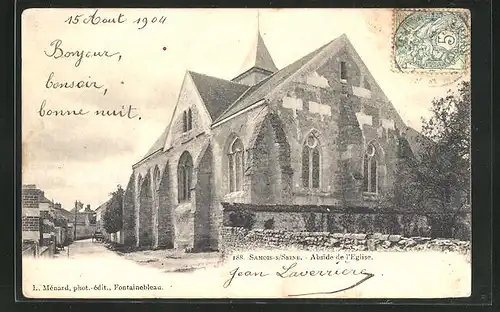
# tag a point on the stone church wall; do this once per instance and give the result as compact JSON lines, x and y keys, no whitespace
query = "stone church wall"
{"x":317,"y":219}
{"x":345,"y":115}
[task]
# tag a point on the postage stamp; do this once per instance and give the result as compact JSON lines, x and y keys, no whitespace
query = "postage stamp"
{"x":431,"y":40}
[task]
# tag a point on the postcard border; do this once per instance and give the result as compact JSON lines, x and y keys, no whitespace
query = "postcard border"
{"x":482,"y":152}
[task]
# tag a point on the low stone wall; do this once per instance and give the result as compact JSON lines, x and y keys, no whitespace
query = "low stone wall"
{"x":237,"y":238}
{"x":310,"y":218}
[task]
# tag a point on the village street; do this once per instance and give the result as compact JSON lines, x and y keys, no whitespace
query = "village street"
{"x":85,"y":248}
{"x":164,"y":260}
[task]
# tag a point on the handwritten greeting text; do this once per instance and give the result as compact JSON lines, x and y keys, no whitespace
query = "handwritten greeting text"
{"x":59,"y":51}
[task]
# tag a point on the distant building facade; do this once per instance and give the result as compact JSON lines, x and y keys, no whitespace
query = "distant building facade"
{"x":44,"y":223}
{"x":84,"y":221}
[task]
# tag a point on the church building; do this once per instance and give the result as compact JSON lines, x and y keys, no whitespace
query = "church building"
{"x":317,"y":133}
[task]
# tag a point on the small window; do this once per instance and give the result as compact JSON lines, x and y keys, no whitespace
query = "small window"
{"x":184,"y":121}
{"x":343,"y":71}
{"x":235,"y":157}
{"x":189,"y":120}
{"x":311,"y":162}
{"x":370,"y":174}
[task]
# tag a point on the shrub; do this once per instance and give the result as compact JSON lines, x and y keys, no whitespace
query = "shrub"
{"x":269,"y":224}
{"x":243,"y":219}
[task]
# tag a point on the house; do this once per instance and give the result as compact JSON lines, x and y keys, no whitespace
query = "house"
{"x":44,"y":222}
{"x":318,"y":132}
{"x":100,"y":211}
{"x":84,"y":221}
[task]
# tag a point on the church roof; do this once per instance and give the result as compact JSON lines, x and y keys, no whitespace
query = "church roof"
{"x":217,"y":94}
{"x":259,"y":57}
{"x":224,"y":98}
{"x":158,"y":143}
{"x":260,"y":90}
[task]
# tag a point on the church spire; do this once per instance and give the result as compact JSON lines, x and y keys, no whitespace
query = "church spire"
{"x":259,"y":59}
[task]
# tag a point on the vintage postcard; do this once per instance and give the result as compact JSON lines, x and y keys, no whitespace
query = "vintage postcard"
{"x":246,"y":153}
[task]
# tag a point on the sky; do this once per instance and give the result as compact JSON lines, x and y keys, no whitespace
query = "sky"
{"x":85,"y":157}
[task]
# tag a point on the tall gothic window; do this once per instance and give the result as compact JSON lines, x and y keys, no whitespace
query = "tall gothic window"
{"x":184,"y":173}
{"x":370,"y":176}
{"x":310,"y":162}
{"x":235,"y":158}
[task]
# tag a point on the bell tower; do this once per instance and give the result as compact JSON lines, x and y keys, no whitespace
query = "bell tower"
{"x":258,"y":64}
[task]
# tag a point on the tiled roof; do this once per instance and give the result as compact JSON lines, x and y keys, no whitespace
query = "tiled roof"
{"x":260,"y":90}
{"x":103,"y":205}
{"x":65,"y":213}
{"x":224,"y":98}
{"x":217,"y":94}
{"x":158,"y":143}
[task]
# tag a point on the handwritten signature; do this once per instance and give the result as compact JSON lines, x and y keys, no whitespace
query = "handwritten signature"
{"x":290,"y":271}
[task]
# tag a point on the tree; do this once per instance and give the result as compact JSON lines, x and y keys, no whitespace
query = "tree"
{"x":436,"y":182}
{"x":444,"y":168}
{"x":113,"y":216}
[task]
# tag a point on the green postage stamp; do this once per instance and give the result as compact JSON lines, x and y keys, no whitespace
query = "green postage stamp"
{"x":431,"y":40}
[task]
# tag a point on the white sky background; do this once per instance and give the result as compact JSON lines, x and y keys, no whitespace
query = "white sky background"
{"x":85,"y":157}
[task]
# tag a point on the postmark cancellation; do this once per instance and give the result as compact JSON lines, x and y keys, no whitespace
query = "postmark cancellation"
{"x":431,"y":40}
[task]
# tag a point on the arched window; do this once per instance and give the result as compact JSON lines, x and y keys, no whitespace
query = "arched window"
{"x":370,"y":176}
{"x":184,"y":173}
{"x":189,"y":120}
{"x":310,"y":162}
{"x":235,"y":158}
